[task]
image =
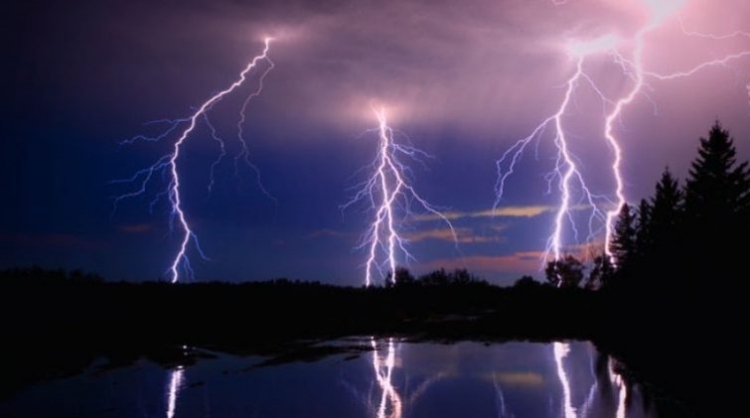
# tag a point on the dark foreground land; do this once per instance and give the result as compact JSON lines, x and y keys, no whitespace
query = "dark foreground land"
{"x":687,"y":351}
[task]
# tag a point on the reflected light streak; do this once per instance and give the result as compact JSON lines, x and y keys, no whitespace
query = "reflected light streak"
{"x":561,"y":350}
{"x":175,"y":385}
{"x":391,"y":405}
{"x":622,"y":390}
{"x":502,"y":411}
{"x":616,"y":381}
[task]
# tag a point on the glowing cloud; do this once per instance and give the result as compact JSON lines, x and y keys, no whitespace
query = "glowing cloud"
{"x":627,"y":54}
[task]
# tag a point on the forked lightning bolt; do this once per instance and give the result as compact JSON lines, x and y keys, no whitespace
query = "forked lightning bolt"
{"x":570,"y":179}
{"x":566,"y":169}
{"x":388,"y":192}
{"x":167,"y":165}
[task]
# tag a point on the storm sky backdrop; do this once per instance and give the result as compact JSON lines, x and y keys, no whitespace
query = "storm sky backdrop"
{"x":463,"y":80}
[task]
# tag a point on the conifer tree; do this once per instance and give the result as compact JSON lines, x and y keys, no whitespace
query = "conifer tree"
{"x":624,"y":238}
{"x":717,"y":207}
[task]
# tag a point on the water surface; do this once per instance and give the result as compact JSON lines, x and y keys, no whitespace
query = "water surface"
{"x":393,"y":379}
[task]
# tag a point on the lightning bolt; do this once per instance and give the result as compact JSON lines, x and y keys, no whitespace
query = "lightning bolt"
{"x":566,"y":169}
{"x":385,"y":189}
{"x":570,"y":180}
{"x":167,"y":165}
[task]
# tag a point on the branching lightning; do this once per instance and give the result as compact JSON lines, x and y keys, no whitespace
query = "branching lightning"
{"x":388,"y":191}
{"x":167,"y":165}
{"x":570,"y":180}
{"x":566,"y":169}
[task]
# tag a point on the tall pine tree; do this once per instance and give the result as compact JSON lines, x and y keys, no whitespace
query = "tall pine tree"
{"x":624,"y":239}
{"x":717,"y":189}
{"x":642,"y":233}
{"x":666,"y":214}
{"x":717,"y":207}
{"x":665,"y":230}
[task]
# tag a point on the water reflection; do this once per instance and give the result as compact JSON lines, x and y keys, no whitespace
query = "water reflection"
{"x":502,"y":411}
{"x":173,"y":390}
{"x":390,"y":401}
{"x":561,"y":350}
{"x":396,"y":379}
{"x":607,"y":386}
{"x":394,"y":401}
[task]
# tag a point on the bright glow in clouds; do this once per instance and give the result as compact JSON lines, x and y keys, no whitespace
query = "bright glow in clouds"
{"x":570,"y":181}
{"x":167,"y":165}
{"x":388,"y":191}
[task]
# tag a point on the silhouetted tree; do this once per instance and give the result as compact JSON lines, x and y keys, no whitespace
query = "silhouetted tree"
{"x":717,"y":205}
{"x":642,"y":233}
{"x":666,"y":211}
{"x":602,"y":271}
{"x":435,"y":278}
{"x":402,"y":277}
{"x":624,"y":238}
{"x":664,"y":232}
{"x":718,"y":188}
{"x":567,"y":271}
{"x":526,"y":282}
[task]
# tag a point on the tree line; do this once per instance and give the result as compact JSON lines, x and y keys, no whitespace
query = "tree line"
{"x":688,"y":237}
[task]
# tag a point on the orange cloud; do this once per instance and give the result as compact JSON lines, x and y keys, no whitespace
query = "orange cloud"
{"x":514,"y":263}
{"x":508,"y":212}
{"x":462,"y":236}
{"x":518,"y":378}
{"x":327,"y":233}
{"x":141,"y":228}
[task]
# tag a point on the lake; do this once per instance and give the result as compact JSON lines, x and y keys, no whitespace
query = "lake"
{"x":367,"y":377}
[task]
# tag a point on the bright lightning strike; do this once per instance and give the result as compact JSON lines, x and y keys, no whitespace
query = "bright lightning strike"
{"x":566,"y":169}
{"x":388,"y":191}
{"x":570,"y":180}
{"x":168,"y":165}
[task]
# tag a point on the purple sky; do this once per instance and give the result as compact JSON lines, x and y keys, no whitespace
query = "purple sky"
{"x":463,"y":80}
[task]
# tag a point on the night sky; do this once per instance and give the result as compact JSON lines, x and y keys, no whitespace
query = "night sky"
{"x":463,"y":81}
